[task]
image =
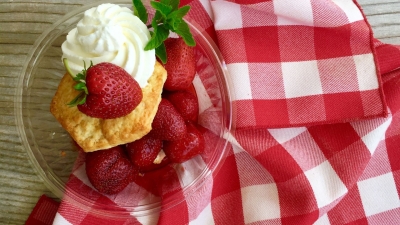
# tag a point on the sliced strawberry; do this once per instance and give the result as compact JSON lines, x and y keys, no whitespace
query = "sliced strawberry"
{"x":109,"y":171}
{"x":191,"y":145}
{"x":112,"y":92}
{"x":143,"y":152}
{"x":186,"y":104}
{"x":180,"y":66}
{"x":168,"y":124}
{"x":155,"y":166}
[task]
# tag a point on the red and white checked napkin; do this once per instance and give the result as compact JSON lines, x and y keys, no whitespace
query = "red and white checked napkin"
{"x":317,"y":137}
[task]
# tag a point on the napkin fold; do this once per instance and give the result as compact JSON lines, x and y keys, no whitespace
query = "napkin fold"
{"x":317,"y":133}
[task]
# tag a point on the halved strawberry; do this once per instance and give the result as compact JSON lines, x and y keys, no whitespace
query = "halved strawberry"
{"x":143,"y":153}
{"x":191,"y":145}
{"x":185,"y":103}
{"x":180,"y":66}
{"x":168,"y":124}
{"x":109,"y":171}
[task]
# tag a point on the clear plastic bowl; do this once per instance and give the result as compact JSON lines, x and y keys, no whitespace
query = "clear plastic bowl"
{"x":50,"y":147}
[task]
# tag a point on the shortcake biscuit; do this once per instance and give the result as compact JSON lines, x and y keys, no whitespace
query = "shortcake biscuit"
{"x":93,"y":134}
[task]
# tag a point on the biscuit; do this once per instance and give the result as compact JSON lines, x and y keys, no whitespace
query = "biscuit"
{"x":93,"y":134}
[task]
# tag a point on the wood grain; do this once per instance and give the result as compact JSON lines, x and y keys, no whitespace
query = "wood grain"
{"x":21,"y":22}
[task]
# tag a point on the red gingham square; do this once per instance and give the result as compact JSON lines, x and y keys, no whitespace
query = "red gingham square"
{"x":308,"y":218}
{"x":266,"y":81}
{"x":265,"y":116}
{"x":279,"y":163}
{"x":225,"y":40}
{"x":247,"y":116}
{"x":261,"y":44}
{"x":332,"y":42}
{"x":296,"y":43}
{"x":306,"y":109}
{"x":359,"y":36}
{"x":255,"y":141}
{"x":371,"y":103}
{"x":342,"y":104}
{"x":391,"y":89}
{"x":393,"y":146}
{"x":258,"y":14}
{"x":227,"y":208}
{"x":388,"y":56}
{"x":333,"y":138}
{"x":322,"y":19}
{"x":227,"y":179}
{"x":337,"y":75}
{"x":295,"y":199}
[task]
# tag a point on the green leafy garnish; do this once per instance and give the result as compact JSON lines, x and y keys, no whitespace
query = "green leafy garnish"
{"x":80,"y":79}
{"x":168,"y":17}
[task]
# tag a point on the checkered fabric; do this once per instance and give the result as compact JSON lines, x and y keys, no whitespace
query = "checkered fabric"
{"x":317,"y":137}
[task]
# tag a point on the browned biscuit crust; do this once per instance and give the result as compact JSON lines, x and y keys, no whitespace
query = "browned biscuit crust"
{"x":95,"y":134}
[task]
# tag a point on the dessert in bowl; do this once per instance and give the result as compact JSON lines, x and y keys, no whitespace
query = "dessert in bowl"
{"x":56,"y":152}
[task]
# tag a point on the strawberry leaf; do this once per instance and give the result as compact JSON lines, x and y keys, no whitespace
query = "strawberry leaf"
{"x":80,"y":78}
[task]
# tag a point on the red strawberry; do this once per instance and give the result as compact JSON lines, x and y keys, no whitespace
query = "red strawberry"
{"x":186,"y":104}
{"x":154,"y":166}
{"x":191,"y":145}
{"x":109,"y":171}
{"x":168,"y":124}
{"x":143,"y":152}
{"x":180,"y":66}
{"x":112,"y":92}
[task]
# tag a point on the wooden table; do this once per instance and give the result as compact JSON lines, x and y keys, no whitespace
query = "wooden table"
{"x":21,"y":22}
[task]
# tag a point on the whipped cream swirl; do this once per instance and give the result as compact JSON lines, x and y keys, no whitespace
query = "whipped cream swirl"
{"x":110,"y":33}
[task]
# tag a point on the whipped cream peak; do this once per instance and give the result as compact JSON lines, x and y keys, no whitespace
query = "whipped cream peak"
{"x":111,"y":33}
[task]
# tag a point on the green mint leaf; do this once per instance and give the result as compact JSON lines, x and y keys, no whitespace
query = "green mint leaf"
{"x":139,"y":10}
{"x":159,"y":36}
{"x":168,"y":17}
{"x":161,"y":53}
{"x":183,"y":30}
{"x":173,"y":3}
{"x":179,"y":13}
{"x":164,"y":9}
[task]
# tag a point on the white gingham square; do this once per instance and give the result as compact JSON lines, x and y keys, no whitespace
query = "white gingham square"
{"x":325,"y":183}
{"x":377,"y":198}
{"x":301,"y":79}
{"x":367,"y":79}
{"x":226,"y":22}
{"x":240,"y":83}
{"x":351,"y":10}
{"x":259,"y":202}
{"x":291,"y":12}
